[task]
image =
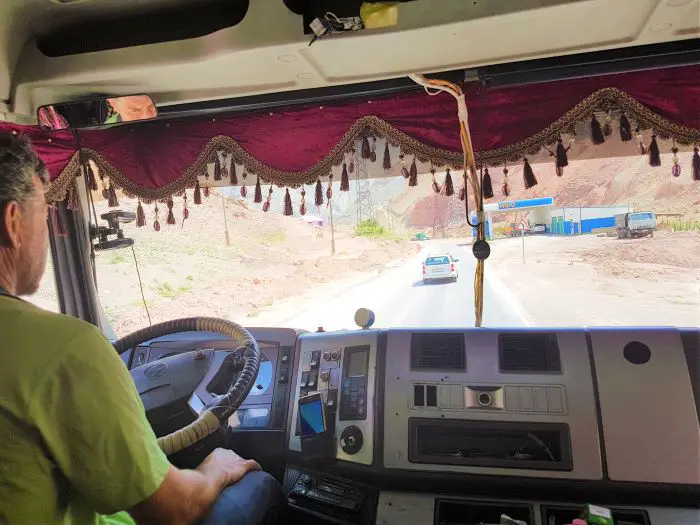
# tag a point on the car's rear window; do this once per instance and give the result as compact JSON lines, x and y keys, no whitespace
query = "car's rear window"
{"x":437,"y":260}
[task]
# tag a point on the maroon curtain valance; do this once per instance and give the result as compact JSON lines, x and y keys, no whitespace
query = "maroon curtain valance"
{"x":154,"y":161}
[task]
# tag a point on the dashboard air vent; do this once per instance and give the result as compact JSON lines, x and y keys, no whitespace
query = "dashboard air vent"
{"x":528,"y":352}
{"x":437,"y":351}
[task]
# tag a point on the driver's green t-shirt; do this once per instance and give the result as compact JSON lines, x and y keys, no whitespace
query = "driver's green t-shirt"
{"x":75,"y":445}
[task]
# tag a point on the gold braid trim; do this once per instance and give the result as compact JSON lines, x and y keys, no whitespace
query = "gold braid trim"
{"x":602,"y":100}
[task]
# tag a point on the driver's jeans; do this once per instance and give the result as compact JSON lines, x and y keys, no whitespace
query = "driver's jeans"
{"x":257,"y":499}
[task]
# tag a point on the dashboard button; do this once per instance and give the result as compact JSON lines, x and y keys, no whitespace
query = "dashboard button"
{"x":315,"y":358}
{"x":313,"y":379}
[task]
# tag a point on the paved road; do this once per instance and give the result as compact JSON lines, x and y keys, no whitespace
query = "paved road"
{"x":399,"y":298}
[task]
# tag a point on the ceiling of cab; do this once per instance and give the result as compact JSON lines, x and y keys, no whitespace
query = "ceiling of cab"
{"x":191,"y":50}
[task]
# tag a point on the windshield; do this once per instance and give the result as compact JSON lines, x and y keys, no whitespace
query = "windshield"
{"x":230,"y":259}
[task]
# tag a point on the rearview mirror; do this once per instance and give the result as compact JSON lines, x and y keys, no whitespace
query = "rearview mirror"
{"x":103,"y":111}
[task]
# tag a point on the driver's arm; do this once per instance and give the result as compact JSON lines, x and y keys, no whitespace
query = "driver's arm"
{"x":92,"y":421}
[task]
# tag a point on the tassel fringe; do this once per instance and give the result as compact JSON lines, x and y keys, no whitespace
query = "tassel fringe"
{"x":486,"y":185}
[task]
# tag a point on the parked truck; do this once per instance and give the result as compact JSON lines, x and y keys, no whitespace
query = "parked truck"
{"x":636,"y":224}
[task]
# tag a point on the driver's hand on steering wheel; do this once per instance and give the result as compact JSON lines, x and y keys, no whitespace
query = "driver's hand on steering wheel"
{"x":227,"y":465}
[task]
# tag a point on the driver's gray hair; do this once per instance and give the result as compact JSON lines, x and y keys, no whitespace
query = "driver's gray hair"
{"x":19,"y":163}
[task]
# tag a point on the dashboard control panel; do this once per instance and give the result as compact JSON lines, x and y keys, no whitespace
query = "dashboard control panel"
{"x":341,"y":367}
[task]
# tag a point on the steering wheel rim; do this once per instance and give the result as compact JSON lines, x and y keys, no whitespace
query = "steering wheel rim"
{"x":224,"y":406}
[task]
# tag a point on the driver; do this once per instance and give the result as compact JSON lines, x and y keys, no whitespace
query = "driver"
{"x":131,"y":108}
{"x":75,"y":445}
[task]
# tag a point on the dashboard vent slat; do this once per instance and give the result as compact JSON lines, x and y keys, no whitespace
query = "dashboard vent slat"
{"x":528,"y":352}
{"x":437,"y":351}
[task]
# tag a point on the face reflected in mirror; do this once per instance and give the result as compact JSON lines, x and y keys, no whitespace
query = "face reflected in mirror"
{"x":132,"y":108}
{"x":96,"y":112}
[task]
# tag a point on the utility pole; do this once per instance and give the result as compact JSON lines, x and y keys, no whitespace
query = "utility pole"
{"x":365,"y":209}
{"x":223,"y":207}
{"x":330,"y":213}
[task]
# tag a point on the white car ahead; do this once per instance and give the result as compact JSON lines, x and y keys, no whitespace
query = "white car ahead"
{"x":440,"y":267}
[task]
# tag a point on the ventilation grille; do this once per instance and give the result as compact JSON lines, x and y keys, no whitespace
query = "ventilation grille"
{"x":437,"y":351}
{"x":529,"y":353}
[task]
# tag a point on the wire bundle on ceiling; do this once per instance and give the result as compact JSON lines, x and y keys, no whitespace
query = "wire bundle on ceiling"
{"x":434,"y":87}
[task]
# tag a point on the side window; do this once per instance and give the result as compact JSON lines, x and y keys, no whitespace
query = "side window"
{"x":46,"y":296}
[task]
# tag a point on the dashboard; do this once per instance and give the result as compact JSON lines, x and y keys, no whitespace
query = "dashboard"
{"x":611,"y":414}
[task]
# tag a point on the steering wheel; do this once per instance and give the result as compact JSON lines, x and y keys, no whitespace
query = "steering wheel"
{"x":197,"y":365}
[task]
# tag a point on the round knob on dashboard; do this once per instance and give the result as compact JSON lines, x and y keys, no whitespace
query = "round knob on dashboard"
{"x":484,"y":399}
{"x":324,"y":375}
{"x":326,"y":356}
{"x":351,"y":440}
{"x":335,"y":355}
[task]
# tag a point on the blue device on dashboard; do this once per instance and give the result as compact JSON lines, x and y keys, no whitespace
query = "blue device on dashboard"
{"x":317,"y":439}
{"x":311,"y":415}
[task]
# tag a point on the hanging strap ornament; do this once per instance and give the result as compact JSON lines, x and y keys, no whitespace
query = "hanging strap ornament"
{"x":505,"y":188}
{"x":59,"y":229}
{"x":404,"y":171}
{"x":486,"y":185}
{"x":105,"y":189}
{"x":528,"y":175}
{"x":436,"y":186}
{"x":318,"y":197}
{"x":225,"y":165}
{"x":244,"y":188}
{"x":676,"y":168}
{"x":654,"y":153}
{"x":373,"y":153}
{"x":560,"y":155}
{"x":597,"y":136}
{"x":185,"y":210}
{"x":156,"y":221}
{"x":91,"y":181}
{"x":625,"y":128}
{"x":329,"y":188}
{"x":140,"y":216}
{"x":73,"y":203}
{"x":171,"y":215}
{"x":386,"y":164}
{"x":206,"y":181}
{"x":217,"y":166}
{"x":366,"y":150}
{"x":112,"y":201}
{"x":448,"y":185}
{"x":351,"y":166}
{"x":257,"y":199}
{"x":288,"y":210}
{"x":640,"y":142}
{"x":463,"y":193}
{"x":695,"y":165}
{"x":344,"y":179}
{"x":607,"y":126}
{"x":266,"y":204}
{"x":302,"y":206}
{"x":233,"y":176}
{"x":413,"y":173}
{"x":197,"y":192}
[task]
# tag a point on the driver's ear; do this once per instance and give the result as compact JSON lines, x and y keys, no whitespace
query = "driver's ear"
{"x":10,"y":233}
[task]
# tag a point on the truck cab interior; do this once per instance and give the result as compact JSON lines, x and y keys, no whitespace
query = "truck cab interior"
{"x":394,"y":425}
